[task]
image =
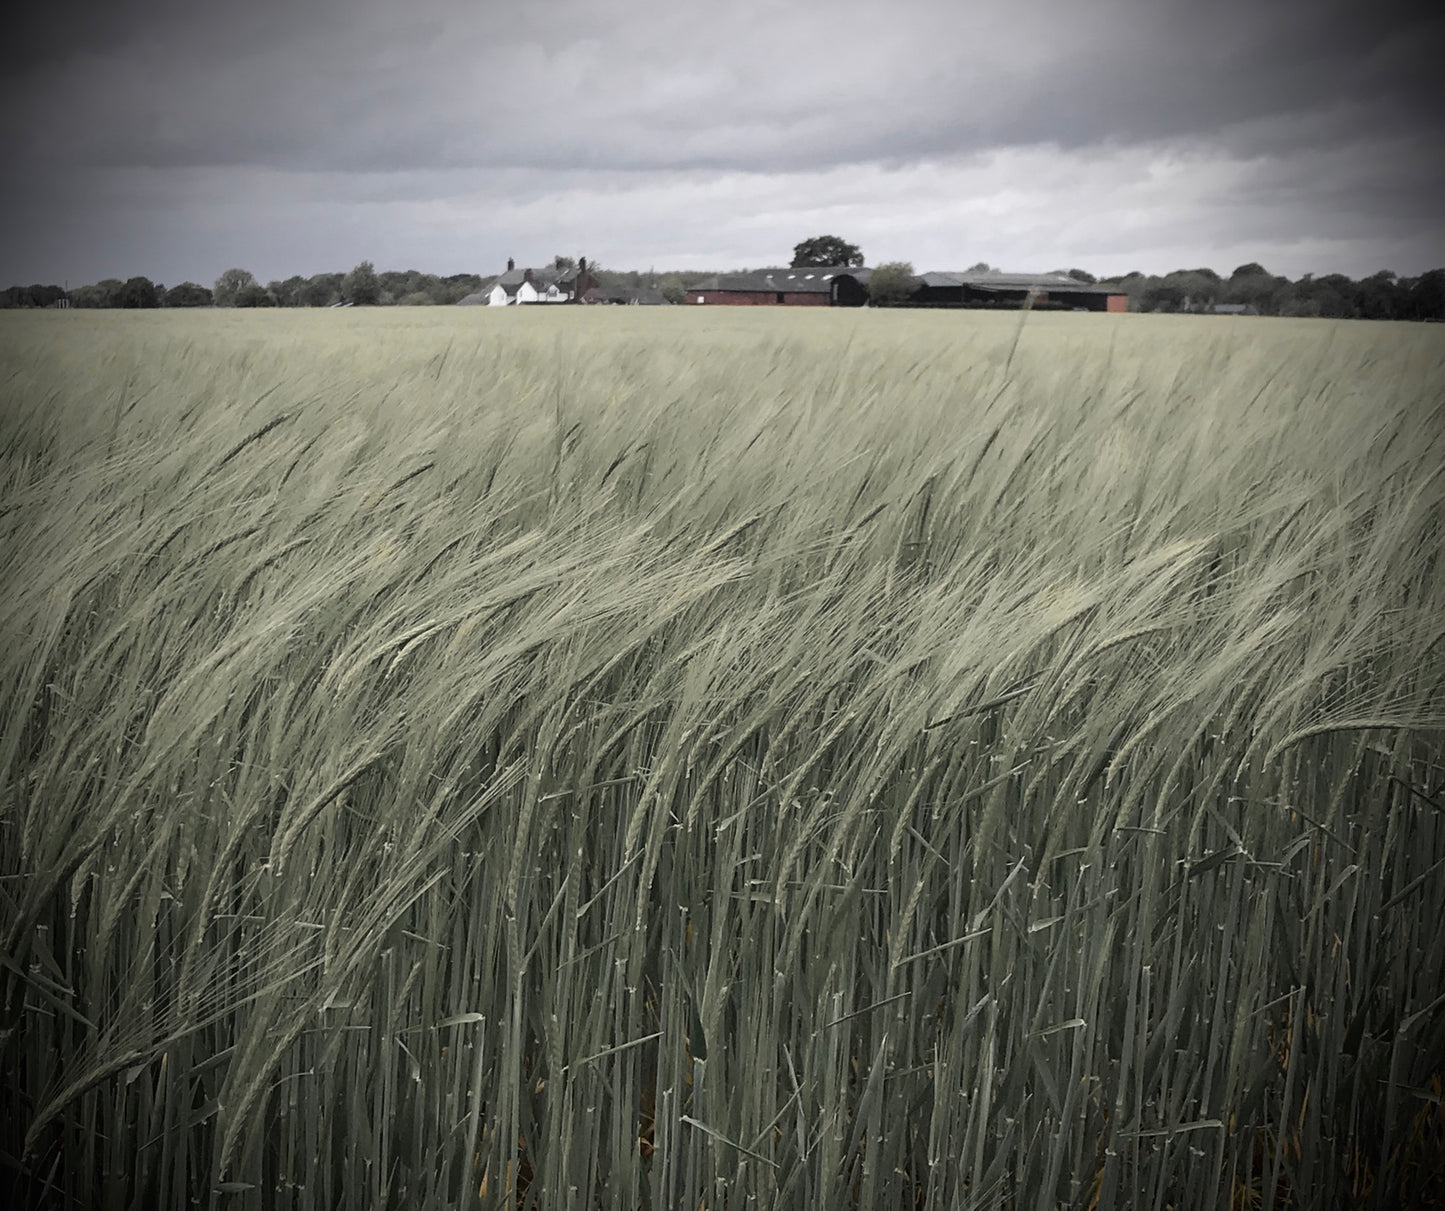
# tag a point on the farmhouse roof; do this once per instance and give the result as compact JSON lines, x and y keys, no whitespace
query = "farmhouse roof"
{"x":546,"y":277}
{"x":808,"y":280}
{"x":512,"y":280}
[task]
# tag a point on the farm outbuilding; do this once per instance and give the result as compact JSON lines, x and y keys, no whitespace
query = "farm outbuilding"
{"x":820,"y":286}
{"x":947,"y":288}
{"x":626,"y":296}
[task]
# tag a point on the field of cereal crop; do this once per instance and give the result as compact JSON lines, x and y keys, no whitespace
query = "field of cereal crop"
{"x":628,"y":757}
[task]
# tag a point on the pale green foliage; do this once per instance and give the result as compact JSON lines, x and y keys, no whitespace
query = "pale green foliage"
{"x":229,"y":286}
{"x":892,"y":283}
{"x":361,"y":285}
{"x":438,"y":749}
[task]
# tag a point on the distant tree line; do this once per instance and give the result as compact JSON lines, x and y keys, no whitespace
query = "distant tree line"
{"x":1383,"y":295}
{"x":363,"y":286}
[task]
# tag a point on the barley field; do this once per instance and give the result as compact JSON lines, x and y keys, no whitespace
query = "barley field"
{"x":623,"y":758}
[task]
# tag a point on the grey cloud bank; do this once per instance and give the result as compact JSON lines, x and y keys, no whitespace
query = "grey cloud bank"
{"x":175,"y":140}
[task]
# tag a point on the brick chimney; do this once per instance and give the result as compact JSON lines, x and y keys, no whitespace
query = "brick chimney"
{"x":581,"y":264}
{"x":511,"y":264}
{"x":526,"y":275}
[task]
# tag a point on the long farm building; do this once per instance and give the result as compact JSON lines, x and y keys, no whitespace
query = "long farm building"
{"x":843,"y":286}
{"x":835,"y":286}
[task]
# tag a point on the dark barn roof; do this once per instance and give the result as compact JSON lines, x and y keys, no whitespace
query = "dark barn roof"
{"x":811,"y":280}
{"x":1053,"y":283}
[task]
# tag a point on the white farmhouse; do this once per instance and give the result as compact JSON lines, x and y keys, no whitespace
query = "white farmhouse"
{"x":538,"y":285}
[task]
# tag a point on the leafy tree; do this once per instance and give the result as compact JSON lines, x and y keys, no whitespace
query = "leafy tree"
{"x":138,"y":293}
{"x":564,"y":263}
{"x":1333,"y":296}
{"x":892,"y":284}
{"x":104,"y":293}
{"x":254,"y":295}
{"x":187,"y":294}
{"x":980,"y":267}
{"x":398,"y":282}
{"x":1081,"y":275}
{"x":1162,"y":295}
{"x":1381,"y":297}
{"x":452,"y":289}
{"x":826,"y":250}
{"x":1252,"y":269}
{"x":399,"y":285}
{"x":1427,"y":296}
{"x":230,"y":284}
{"x":437,"y":292}
{"x":1298,"y":306}
{"x":300,"y":288}
{"x":1262,"y":291}
{"x":320,"y":291}
{"x":291,"y":290}
{"x":1199,"y":289}
{"x":673,"y":289}
{"x":361,"y":286}
{"x":1337,"y":296}
{"x":31,"y":296}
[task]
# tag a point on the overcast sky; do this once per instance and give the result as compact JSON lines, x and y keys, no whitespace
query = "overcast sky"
{"x":177,"y":138}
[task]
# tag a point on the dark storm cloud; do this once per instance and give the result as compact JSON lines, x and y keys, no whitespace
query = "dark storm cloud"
{"x":756,"y":86}
{"x":41,"y":35}
{"x":40,"y":38}
{"x":1318,"y":121}
{"x":1201,"y":69}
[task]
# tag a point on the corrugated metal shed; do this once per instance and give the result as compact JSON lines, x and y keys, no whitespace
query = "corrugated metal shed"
{"x":812,"y":280}
{"x":1053,"y":283}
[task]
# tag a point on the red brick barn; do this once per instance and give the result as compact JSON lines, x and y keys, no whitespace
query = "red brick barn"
{"x":828,"y":286}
